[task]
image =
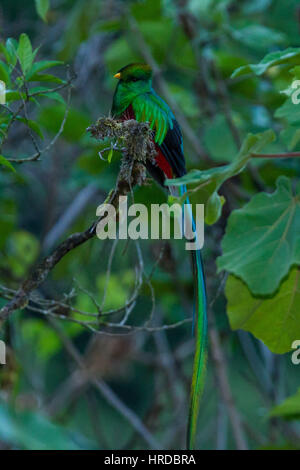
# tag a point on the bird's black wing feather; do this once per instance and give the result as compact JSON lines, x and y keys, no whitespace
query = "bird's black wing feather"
{"x":172,"y":149}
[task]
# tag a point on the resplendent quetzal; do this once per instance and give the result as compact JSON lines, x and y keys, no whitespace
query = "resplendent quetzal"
{"x":135,"y":98}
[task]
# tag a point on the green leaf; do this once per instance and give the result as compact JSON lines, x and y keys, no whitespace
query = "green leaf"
{"x":53,"y":95}
{"x":290,"y":55}
{"x":32,"y":430}
{"x":261,"y":241}
{"x":44,"y":92}
{"x":274,"y":320}
{"x":4,"y":52}
{"x":257,"y":36}
{"x":290,"y":136}
{"x":42,"y":65}
{"x":4,"y":73}
{"x":12,"y":95}
{"x":289,"y":408}
{"x":173,"y":200}
{"x":289,"y":111}
{"x":11,"y":49}
{"x":33,"y":125}
{"x":36,"y":90}
{"x":44,"y":77}
{"x":5,"y":162}
{"x":295,"y":71}
{"x":253,"y":143}
{"x":209,"y":181}
{"x":213,"y":208}
{"x":24,"y":52}
{"x":42,"y":7}
{"x":110,"y":155}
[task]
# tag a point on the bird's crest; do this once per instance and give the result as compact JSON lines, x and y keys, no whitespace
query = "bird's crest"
{"x":134,"y":72}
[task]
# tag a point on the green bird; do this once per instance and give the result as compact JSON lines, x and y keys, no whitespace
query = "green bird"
{"x":135,"y":98}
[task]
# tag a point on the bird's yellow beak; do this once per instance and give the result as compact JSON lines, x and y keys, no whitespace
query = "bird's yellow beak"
{"x":117,"y":75}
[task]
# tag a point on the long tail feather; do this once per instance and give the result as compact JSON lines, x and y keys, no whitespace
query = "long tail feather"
{"x":199,"y":367}
{"x":200,"y":331}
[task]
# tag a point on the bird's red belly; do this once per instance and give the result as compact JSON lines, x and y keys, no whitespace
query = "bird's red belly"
{"x":163,"y":164}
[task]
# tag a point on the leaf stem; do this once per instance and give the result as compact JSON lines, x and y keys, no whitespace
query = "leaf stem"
{"x":276,"y":155}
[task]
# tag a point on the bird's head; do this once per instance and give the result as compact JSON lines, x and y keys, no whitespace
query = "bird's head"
{"x":135,"y":78}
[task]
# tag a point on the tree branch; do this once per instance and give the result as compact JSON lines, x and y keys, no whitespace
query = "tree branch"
{"x":137,"y":147}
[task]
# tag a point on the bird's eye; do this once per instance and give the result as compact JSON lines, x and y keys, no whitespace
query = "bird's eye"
{"x":134,"y":79}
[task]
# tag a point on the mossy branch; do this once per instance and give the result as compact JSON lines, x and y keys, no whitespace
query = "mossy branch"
{"x":137,"y":147}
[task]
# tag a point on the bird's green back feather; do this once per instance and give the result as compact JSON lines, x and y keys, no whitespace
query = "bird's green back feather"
{"x":151,"y":108}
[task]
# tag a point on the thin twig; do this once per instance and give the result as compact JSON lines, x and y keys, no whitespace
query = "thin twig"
{"x":35,"y":156}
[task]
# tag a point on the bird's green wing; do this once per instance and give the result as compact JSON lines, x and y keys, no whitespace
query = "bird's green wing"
{"x":149,"y":107}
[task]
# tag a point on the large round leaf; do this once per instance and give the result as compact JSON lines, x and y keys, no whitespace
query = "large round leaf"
{"x":275,"y":320}
{"x":262,"y":239}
